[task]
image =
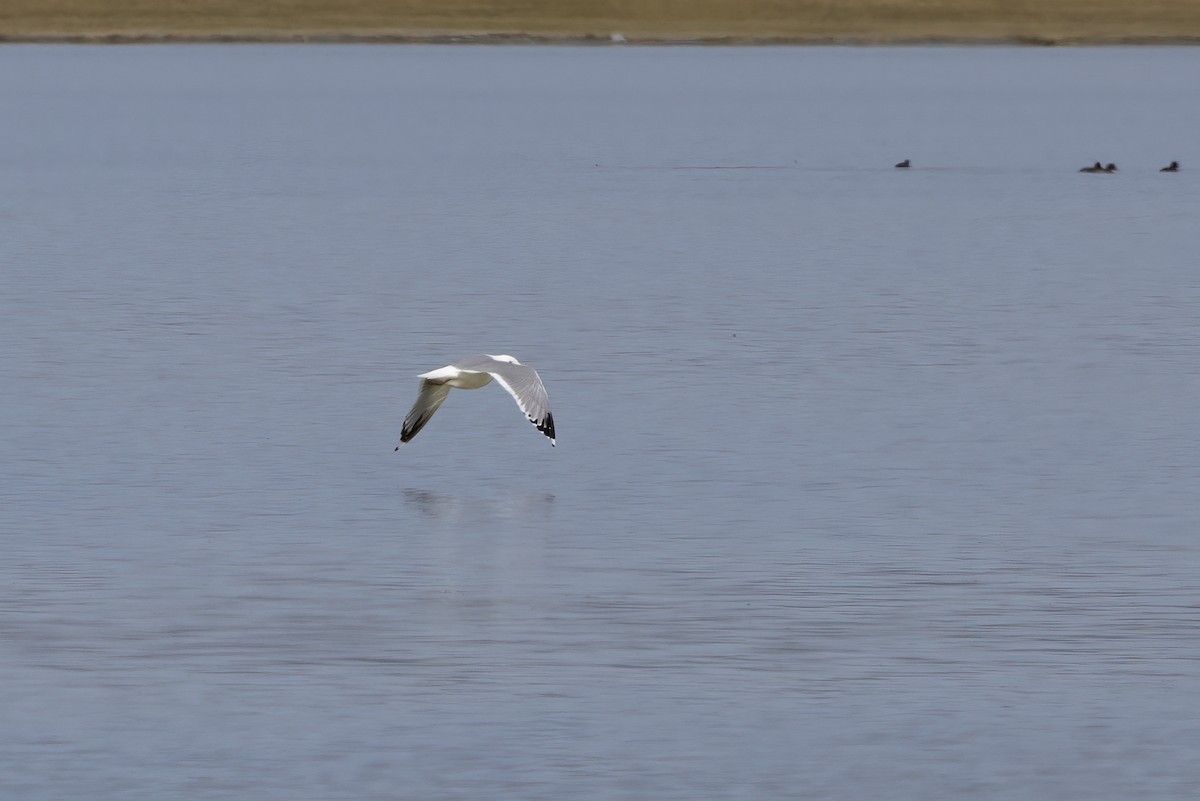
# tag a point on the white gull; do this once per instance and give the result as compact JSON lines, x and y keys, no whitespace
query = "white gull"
{"x":521,"y":381}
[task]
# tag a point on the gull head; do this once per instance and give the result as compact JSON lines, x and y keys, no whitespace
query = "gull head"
{"x":504,"y":358}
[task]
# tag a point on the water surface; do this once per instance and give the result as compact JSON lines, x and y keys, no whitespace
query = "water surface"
{"x":869,"y":483}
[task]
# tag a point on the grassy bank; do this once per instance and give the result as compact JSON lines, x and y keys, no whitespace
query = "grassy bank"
{"x":1033,"y":21}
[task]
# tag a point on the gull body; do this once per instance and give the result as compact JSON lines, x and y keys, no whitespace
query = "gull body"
{"x":521,"y":381}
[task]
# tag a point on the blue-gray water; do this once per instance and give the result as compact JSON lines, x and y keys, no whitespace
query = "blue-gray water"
{"x":869,"y":484}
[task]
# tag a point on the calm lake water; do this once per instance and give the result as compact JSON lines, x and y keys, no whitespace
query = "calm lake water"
{"x":870,"y":484}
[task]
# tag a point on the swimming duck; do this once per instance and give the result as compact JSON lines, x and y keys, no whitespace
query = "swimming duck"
{"x":904,"y":165}
{"x":1172,"y":167}
{"x":1094,"y":168}
{"x":1110,"y":167}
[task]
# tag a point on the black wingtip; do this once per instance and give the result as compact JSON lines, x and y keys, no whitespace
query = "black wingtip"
{"x":546,"y":426}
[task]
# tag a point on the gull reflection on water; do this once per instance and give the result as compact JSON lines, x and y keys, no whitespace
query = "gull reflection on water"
{"x":451,"y":508}
{"x":481,"y":550}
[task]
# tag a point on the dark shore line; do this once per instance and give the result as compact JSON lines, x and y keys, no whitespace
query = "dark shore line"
{"x":591,"y":40}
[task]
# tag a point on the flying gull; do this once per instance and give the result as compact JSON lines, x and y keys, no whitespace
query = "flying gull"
{"x":521,"y":381}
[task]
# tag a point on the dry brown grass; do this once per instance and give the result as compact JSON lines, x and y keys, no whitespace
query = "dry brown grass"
{"x":789,"y":20}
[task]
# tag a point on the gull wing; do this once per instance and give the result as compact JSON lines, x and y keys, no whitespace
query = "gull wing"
{"x":525,"y":385}
{"x":429,"y":399}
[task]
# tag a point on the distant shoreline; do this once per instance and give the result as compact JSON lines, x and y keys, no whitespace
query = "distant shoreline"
{"x":400,"y":38}
{"x":712,"y":23}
